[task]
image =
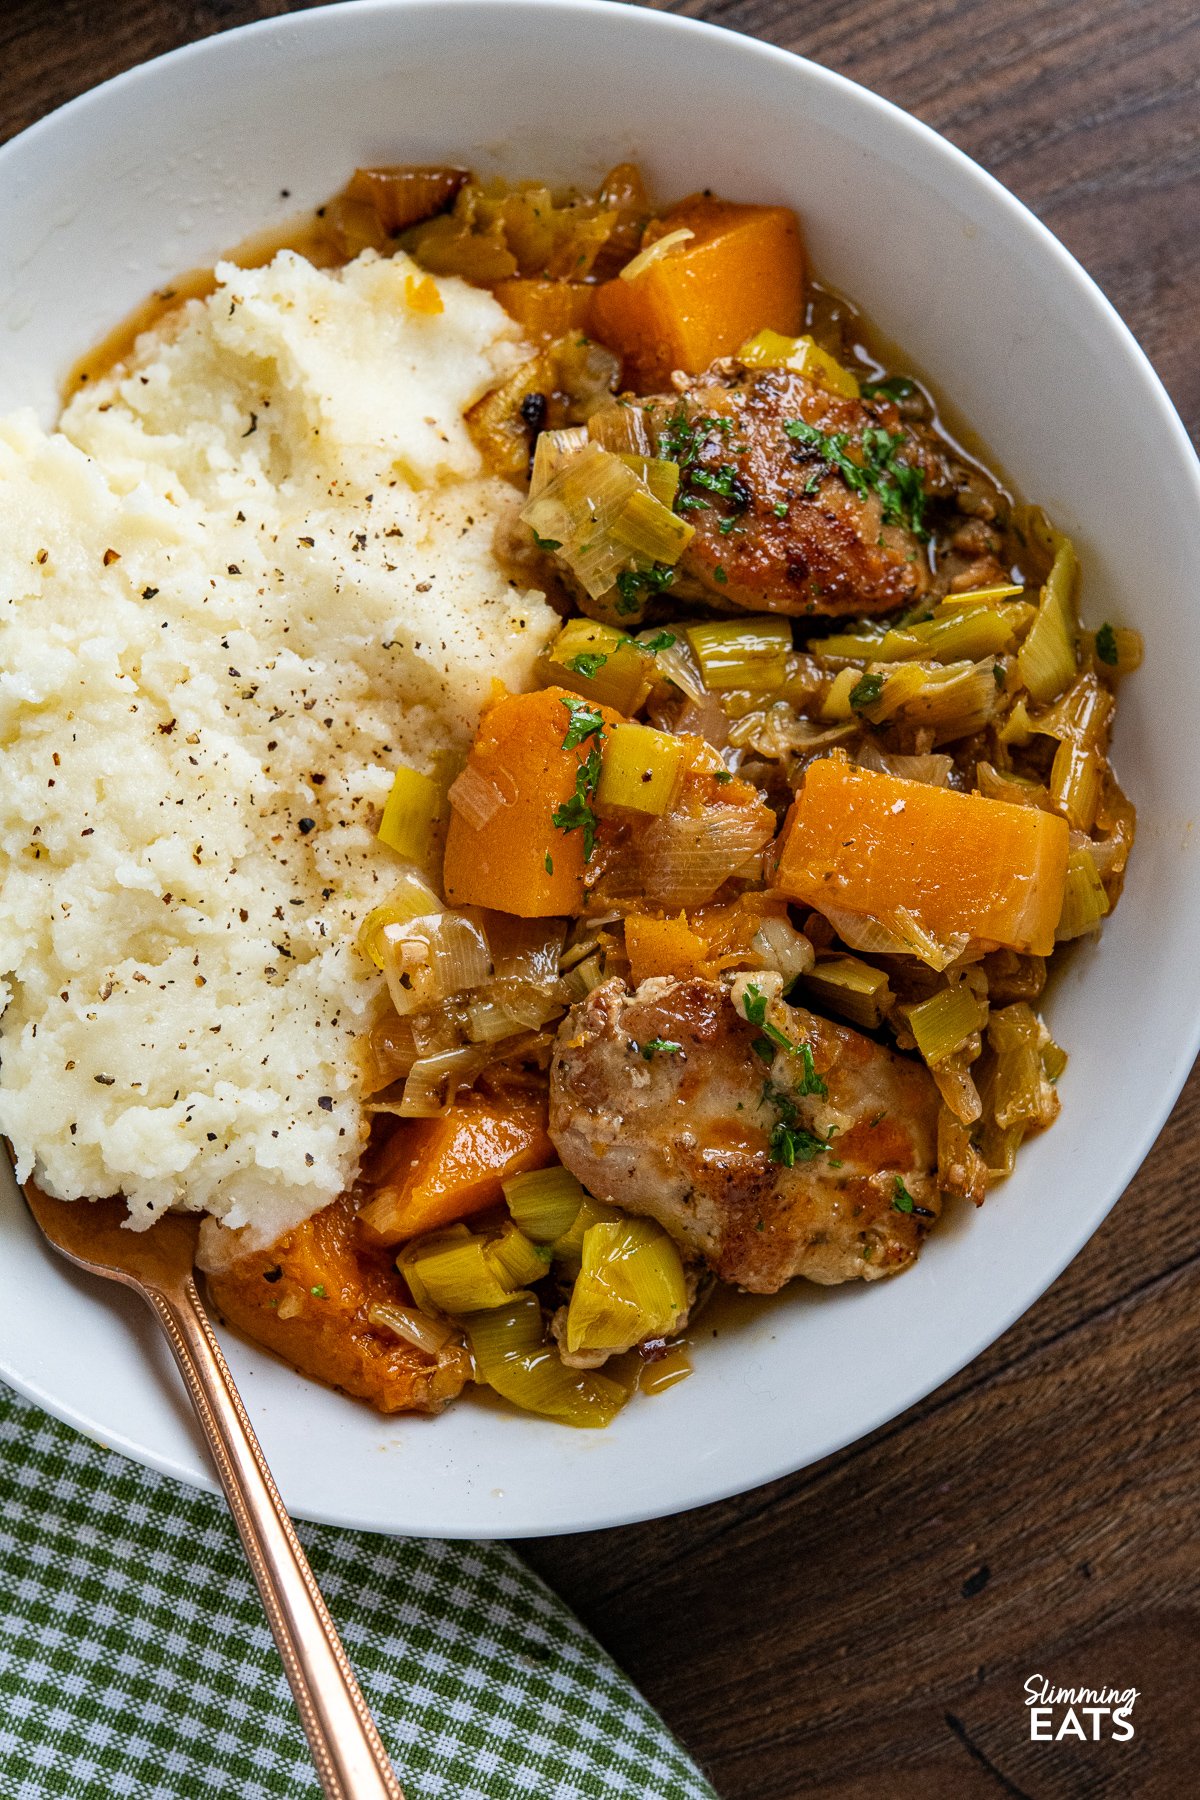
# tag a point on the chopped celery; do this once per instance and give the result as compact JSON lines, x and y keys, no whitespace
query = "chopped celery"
{"x":630,"y":1286}
{"x":602,"y":663}
{"x":512,"y":1356}
{"x":771,"y":350}
{"x":852,"y":988}
{"x":742,"y":653}
{"x":943,"y":1023}
{"x":409,"y":815}
{"x":642,"y":769}
{"x":1047,"y":657}
{"x":1084,"y":900}
{"x":544,"y":1202}
{"x":450,"y":1271}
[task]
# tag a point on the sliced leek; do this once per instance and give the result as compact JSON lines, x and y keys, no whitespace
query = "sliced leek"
{"x":1047,"y":657}
{"x":568,"y":1248}
{"x":1085,"y":902}
{"x":742,"y":653}
{"x":642,"y":769}
{"x":450,"y":1271}
{"x":512,"y":1356}
{"x":771,"y":350}
{"x":659,"y":475}
{"x":410,"y":814}
{"x":411,"y":898}
{"x":630,"y":1286}
{"x":545,"y":1203}
{"x":602,"y":663}
{"x":953,"y":634}
{"x":943,"y":1024}
{"x":425,"y":960}
{"x":603,"y":520}
{"x":515,"y":1259}
{"x":852,"y":988}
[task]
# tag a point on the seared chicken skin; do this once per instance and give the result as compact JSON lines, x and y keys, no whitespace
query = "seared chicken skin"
{"x":668,"y":1103}
{"x":802,"y":501}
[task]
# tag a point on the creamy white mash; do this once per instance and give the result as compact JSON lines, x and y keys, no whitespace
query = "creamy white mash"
{"x":250,"y":574}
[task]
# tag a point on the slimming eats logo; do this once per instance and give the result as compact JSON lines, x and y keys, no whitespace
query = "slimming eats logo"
{"x":1057,"y":1713}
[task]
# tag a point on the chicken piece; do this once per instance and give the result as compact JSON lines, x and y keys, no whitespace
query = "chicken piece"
{"x":802,"y":501}
{"x":306,"y":1298}
{"x":666,"y":1102}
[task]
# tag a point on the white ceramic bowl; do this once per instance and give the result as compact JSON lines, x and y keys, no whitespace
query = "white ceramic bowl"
{"x":158,"y":171}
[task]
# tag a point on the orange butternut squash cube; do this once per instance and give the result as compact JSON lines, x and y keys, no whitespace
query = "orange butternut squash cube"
{"x":432,"y":1172}
{"x":662,"y":946}
{"x":307,"y":1298}
{"x":741,"y":272}
{"x":874,"y":845}
{"x":545,"y":309}
{"x":517,"y":860}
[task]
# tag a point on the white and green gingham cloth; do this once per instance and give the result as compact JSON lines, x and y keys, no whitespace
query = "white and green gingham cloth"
{"x":135,"y":1659}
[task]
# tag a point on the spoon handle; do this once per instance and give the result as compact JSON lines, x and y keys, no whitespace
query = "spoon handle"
{"x":346,"y":1747}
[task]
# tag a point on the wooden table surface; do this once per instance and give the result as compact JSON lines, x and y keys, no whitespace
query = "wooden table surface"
{"x":864,"y":1629}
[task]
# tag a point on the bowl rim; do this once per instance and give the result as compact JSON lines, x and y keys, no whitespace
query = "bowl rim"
{"x":1088,"y":294}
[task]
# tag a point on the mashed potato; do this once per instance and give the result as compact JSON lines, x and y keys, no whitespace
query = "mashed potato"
{"x":249,"y":575}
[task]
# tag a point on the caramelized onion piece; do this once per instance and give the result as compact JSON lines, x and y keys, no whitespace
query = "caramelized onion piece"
{"x":404,"y":196}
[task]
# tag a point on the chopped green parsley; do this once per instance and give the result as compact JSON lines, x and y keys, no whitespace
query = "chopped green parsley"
{"x":866,"y":691}
{"x":790,"y":1144}
{"x":586,"y":722}
{"x":636,"y":586}
{"x":576,"y":814}
{"x":588,"y":663}
{"x":660,"y":1047}
{"x":877,"y":469}
{"x":1106,"y":645}
{"x":895,"y":387}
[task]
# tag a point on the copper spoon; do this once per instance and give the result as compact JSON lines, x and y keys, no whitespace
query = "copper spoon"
{"x":346,"y":1747}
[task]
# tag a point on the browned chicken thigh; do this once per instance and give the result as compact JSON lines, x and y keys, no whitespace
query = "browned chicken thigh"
{"x":802,"y":501}
{"x":771,"y":1145}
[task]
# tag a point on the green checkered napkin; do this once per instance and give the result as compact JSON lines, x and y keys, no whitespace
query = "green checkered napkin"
{"x":135,"y":1659}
